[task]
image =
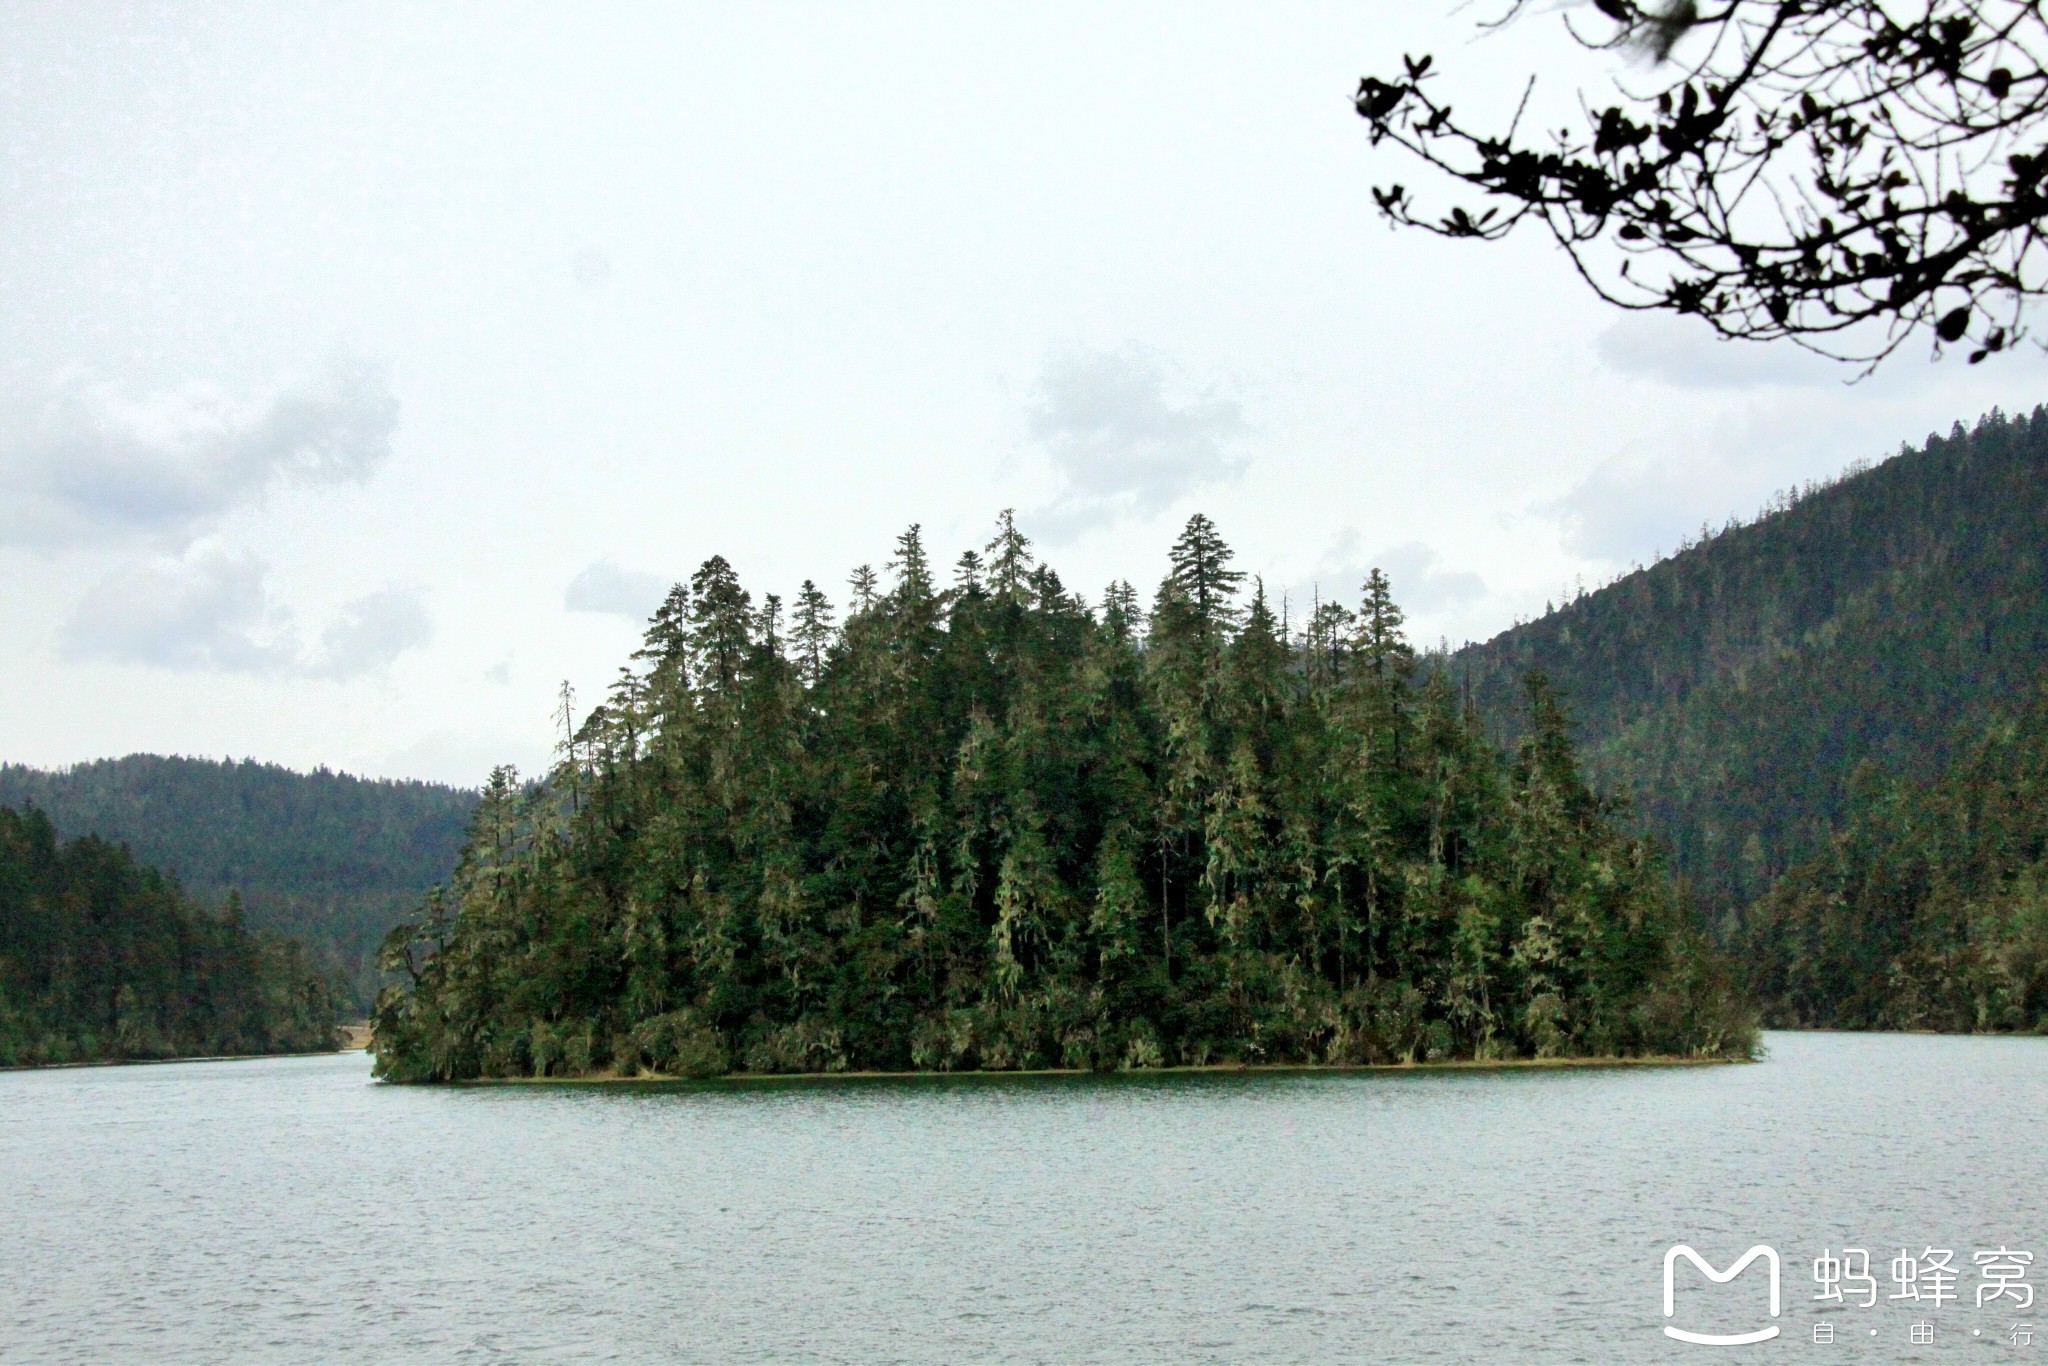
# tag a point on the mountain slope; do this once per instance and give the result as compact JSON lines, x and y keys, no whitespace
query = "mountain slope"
{"x":1928,"y":907}
{"x":1734,"y":687}
{"x":330,"y":859}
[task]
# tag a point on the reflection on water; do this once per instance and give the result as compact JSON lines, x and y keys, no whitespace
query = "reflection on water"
{"x":293,"y":1210}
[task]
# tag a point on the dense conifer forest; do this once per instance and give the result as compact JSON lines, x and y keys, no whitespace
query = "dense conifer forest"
{"x":329,"y":859}
{"x":1823,"y":715}
{"x":1928,"y":908}
{"x":1734,"y":687}
{"x":104,"y":958}
{"x":984,"y":824}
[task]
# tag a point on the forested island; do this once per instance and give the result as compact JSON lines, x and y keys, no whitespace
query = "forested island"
{"x":989,"y":825}
{"x":104,"y":959}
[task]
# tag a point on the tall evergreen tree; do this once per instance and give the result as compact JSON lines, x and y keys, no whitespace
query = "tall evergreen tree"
{"x":1202,"y":576}
{"x":862,"y":586}
{"x":1009,"y":559}
{"x":812,"y":634}
{"x":720,"y":622}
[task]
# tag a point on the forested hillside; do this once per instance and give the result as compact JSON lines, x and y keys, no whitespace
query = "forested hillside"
{"x":332,"y":860}
{"x":103,"y":958}
{"x":989,"y":825}
{"x":1928,"y":909}
{"x":1735,"y":687}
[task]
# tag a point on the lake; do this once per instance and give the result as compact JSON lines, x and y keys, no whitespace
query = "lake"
{"x":293,"y":1210}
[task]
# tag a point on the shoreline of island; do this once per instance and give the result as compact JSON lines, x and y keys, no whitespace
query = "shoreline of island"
{"x":609,"y":1078}
{"x":353,"y":1038}
{"x":165,"y":1062}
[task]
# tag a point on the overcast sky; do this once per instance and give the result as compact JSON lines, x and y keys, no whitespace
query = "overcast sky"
{"x":366,"y":371}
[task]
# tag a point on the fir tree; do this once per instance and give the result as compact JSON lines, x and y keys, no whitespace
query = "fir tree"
{"x":862,"y":585}
{"x":720,"y":626}
{"x":1202,"y":575}
{"x":1009,"y":559}
{"x":812,"y":635}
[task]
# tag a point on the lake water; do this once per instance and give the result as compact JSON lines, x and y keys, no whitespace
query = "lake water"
{"x":292,"y":1210}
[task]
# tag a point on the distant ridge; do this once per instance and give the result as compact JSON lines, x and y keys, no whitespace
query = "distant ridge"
{"x":331,"y":859}
{"x":1735,"y":686}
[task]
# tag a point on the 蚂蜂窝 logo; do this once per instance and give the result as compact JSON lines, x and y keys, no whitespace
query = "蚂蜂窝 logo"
{"x":1770,"y":1258}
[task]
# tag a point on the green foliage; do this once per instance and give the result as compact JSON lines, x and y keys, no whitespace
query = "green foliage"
{"x":1735,"y":687}
{"x":328,"y":859}
{"x":103,"y":958}
{"x":986,"y":826}
{"x":1928,"y":908}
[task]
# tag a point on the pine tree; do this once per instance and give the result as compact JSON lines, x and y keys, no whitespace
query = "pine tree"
{"x":967,"y":572}
{"x":812,"y":635}
{"x":664,"y":645}
{"x":1381,"y":645}
{"x":863,"y":587}
{"x":913,"y":571}
{"x":1329,"y":631}
{"x":1009,"y":559}
{"x":1122,"y":617}
{"x":1202,"y":574}
{"x":720,"y":626}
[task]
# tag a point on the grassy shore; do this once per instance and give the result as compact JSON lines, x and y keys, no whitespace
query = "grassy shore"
{"x":351,"y":1038}
{"x":1212,"y":1069}
{"x":165,"y":1062}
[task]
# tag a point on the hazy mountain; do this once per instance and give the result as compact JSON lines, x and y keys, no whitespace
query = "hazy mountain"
{"x":101,"y":958}
{"x":1734,"y":687}
{"x":330,"y":859}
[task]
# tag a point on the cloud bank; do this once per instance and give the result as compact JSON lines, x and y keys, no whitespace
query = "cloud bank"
{"x":604,"y":588}
{"x":1416,"y":573}
{"x":1686,"y":355}
{"x":94,"y":467}
{"x":206,"y":610}
{"x":1120,"y":442}
{"x":370,"y":633}
{"x":210,"y":609}
{"x":1640,"y":502}
{"x":1632,"y":507}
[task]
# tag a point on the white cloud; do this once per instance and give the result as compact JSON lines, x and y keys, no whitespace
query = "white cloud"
{"x":1420,"y":582}
{"x":1640,"y":502}
{"x":592,"y":267}
{"x":93,"y":466}
{"x":370,"y":633}
{"x":463,"y":758}
{"x":1121,"y":443}
{"x":207,"y":609}
{"x":210,"y":609}
{"x":603,"y":587}
{"x":1685,"y":353}
{"x":1633,"y":506}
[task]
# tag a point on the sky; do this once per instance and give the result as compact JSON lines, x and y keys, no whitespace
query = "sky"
{"x":366,"y":372}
